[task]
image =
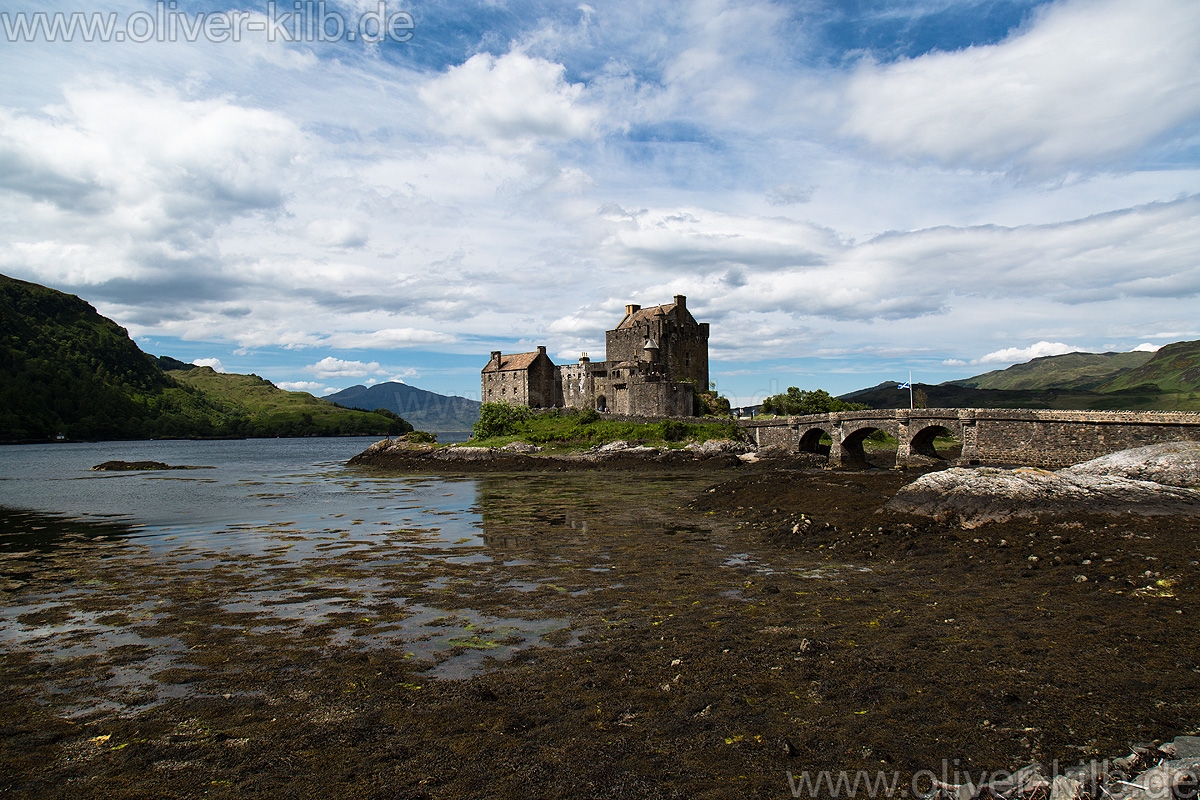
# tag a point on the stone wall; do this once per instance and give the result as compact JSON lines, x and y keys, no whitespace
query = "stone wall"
{"x":1054,"y":439}
{"x":577,"y":385}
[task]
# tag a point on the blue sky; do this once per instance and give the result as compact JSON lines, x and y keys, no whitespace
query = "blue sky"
{"x":845,"y":191}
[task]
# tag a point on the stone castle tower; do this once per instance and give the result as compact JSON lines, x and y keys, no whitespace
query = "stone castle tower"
{"x":655,"y":356}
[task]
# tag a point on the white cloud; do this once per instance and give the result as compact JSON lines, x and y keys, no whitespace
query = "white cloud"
{"x":312,"y":387}
{"x":1147,"y":347}
{"x":89,"y":195}
{"x":1087,"y":80}
{"x":215,"y":363}
{"x":330,"y":367}
{"x":515,"y":99}
{"x":337,"y":233}
{"x":1016,"y":355}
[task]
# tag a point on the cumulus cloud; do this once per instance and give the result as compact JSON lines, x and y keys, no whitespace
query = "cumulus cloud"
{"x":330,"y":367}
{"x":1147,"y":347}
{"x":786,"y":194}
{"x":513,"y":99}
{"x":139,"y":193}
{"x":215,"y":363}
{"x":1085,"y":81}
{"x":312,"y":387}
{"x":337,"y":233}
{"x":1016,"y":355}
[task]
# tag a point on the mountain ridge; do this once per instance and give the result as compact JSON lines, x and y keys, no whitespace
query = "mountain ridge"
{"x":427,"y":410}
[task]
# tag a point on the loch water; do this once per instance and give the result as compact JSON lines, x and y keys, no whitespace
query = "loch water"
{"x":280,"y":543}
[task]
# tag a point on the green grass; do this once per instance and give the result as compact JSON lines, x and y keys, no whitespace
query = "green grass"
{"x":579,"y":431}
{"x":261,"y":408}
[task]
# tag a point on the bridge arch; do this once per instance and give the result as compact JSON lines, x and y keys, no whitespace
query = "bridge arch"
{"x":923,"y":433}
{"x":850,"y":436}
{"x":809,"y":441}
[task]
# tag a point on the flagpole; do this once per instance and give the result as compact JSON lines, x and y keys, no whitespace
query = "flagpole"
{"x":910,"y":394}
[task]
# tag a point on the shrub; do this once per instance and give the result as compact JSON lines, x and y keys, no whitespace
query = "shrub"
{"x":673,"y":430}
{"x":500,"y":419}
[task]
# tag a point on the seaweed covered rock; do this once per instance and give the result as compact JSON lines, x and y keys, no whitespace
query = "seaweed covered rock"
{"x":1171,"y":464}
{"x":976,"y":496}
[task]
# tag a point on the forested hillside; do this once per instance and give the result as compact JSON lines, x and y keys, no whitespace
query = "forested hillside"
{"x":67,"y":371}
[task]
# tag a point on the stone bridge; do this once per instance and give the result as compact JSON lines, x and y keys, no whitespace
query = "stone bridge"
{"x":1049,"y":439}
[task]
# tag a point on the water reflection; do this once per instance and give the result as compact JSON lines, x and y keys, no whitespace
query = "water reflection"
{"x":273,"y":558}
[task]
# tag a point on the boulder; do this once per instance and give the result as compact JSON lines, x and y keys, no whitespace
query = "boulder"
{"x":1172,"y":464}
{"x":976,"y":496}
{"x":716,"y":447}
{"x":521,"y":447}
{"x":463,"y":453}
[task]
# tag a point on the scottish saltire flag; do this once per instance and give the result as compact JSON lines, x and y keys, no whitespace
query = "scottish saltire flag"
{"x":904,"y":386}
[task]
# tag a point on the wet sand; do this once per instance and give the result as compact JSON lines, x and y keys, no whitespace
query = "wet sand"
{"x":699,"y":636}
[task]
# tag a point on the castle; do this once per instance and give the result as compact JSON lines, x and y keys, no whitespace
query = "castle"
{"x":657,"y":360}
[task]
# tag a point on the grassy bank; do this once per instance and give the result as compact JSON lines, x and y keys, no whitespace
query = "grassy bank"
{"x":569,"y":429}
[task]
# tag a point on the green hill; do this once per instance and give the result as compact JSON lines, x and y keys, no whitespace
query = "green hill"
{"x":1175,"y":368}
{"x":67,"y":371}
{"x":1074,"y":370}
{"x":1168,"y":380}
{"x":268,"y":410}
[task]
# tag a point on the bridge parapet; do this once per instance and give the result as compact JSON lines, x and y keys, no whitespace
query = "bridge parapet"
{"x":1033,"y":437}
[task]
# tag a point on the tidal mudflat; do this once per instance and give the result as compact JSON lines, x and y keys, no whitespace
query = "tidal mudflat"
{"x":596,"y":634}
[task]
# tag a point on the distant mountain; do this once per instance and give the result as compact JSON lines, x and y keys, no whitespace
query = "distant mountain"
{"x":67,"y":371}
{"x":427,"y":411}
{"x":1075,"y":370}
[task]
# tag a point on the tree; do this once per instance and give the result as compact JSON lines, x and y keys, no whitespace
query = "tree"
{"x":798,"y":402}
{"x":713,"y":404}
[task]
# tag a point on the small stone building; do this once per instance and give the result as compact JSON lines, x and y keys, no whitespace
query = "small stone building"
{"x":656,"y":359}
{"x":523,"y":379}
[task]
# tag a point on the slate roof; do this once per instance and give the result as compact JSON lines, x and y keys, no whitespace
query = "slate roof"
{"x":514,"y":361}
{"x":645,"y":315}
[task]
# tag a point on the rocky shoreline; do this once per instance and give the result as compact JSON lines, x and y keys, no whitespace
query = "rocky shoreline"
{"x":398,"y":454}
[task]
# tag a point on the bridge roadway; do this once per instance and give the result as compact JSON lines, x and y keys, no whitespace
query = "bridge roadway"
{"x":1040,"y":438}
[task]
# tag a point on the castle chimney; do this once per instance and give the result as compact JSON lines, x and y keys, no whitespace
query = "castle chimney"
{"x":681,"y":302}
{"x":632,"y":307}
{"x":583,"y":359}
{"x":496,"y":357}
{"x":542,"y":349}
